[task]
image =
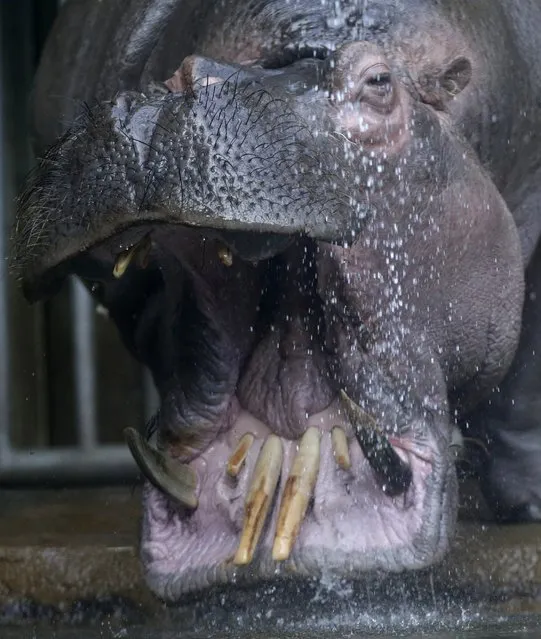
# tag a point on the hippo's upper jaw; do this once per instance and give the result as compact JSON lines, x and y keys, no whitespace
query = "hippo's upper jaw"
{"x":290,"y":252}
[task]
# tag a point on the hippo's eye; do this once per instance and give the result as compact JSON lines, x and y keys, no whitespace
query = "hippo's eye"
{"x":380,"y":80}
{"x":377,"y":88}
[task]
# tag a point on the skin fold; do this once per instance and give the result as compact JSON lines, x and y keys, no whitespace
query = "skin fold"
{"x":315,"y":225}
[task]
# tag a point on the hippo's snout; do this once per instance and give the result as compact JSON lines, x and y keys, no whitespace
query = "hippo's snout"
{"x":226,"y":155}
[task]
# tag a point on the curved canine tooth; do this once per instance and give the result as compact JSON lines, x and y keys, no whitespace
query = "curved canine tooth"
{"x":141,"y":251}
{"x":258,"y":500}
{"x":176,"y":480}
{"x":238,"y":457}
{"x":393,"y":473}
{"x":225,"y":255}
{"x":297,"y":493}
{"x":340,"y":448}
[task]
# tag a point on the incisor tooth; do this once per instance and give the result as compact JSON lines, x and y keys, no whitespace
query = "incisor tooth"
{"x":297,"y":493}
{"x":140,"y":250}
{"x":238,"y":457}
{"x":340,"y":448}
{"x":225,"y":255}
{"x":258,"y":500}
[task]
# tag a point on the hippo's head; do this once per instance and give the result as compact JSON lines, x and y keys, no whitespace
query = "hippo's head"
{"x":291,"y":233}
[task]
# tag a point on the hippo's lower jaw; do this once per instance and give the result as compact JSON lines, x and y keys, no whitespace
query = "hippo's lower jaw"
{"x":350,"y":525}
{"x":265,"y":469}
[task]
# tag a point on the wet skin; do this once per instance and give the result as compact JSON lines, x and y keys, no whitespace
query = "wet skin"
{"x":314,"y":231}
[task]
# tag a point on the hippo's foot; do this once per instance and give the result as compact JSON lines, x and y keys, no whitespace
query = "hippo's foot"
{"x":513,"y":480}
{"x":266,"y":507}
{"x":511,"y":476}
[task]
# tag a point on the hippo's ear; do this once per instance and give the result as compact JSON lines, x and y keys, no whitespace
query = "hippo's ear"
{"x":438,"y":87}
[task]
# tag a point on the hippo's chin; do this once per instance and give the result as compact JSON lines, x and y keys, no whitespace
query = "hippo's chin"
{"x":260,"y":466}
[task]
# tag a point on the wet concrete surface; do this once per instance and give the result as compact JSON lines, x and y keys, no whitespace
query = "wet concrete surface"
{"x":511,"y":630}
{"x":69,"y":557}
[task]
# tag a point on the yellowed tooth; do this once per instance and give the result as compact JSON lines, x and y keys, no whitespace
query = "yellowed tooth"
{"x":259,"y":498}
{"x":122,"y":262}
{"x":141,"y":251}
{"x":297,"y":493}
{"x":225,"y":255}
{"x":238,"y":457}
{"x":340,"y":448}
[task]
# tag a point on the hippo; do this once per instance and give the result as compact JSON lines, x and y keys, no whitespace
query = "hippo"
{"x":316,"y":224}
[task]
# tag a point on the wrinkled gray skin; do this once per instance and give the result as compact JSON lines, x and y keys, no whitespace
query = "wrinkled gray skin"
{"x":375,"y":172}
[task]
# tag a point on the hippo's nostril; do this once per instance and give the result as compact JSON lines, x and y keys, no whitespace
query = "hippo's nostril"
{"x":393,"y":473}
{"x":198,"y":71}
{"x":122,"y":105}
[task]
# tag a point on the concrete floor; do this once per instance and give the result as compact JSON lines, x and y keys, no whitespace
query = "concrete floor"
{"x":71,"y":556}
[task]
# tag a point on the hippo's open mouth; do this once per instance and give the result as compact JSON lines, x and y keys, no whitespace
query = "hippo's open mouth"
{"x":265,"y":467}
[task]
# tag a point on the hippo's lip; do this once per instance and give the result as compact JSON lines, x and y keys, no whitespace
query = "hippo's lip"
{"x":123,"y":240}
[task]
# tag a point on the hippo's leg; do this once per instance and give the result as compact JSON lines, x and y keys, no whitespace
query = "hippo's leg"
{"x":512,"y":419}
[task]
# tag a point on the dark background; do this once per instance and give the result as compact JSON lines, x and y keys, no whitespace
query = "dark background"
{"x":36,"y":347}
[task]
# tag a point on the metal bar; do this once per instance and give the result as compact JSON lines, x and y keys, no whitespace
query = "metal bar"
{"x":67,"y":465}
{"x":151,"y":398}
{"x":84,"y":365}
{"x":5,"y":197}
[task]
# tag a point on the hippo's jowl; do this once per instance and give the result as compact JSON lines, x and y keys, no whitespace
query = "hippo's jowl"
{"x":314,"y":231}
